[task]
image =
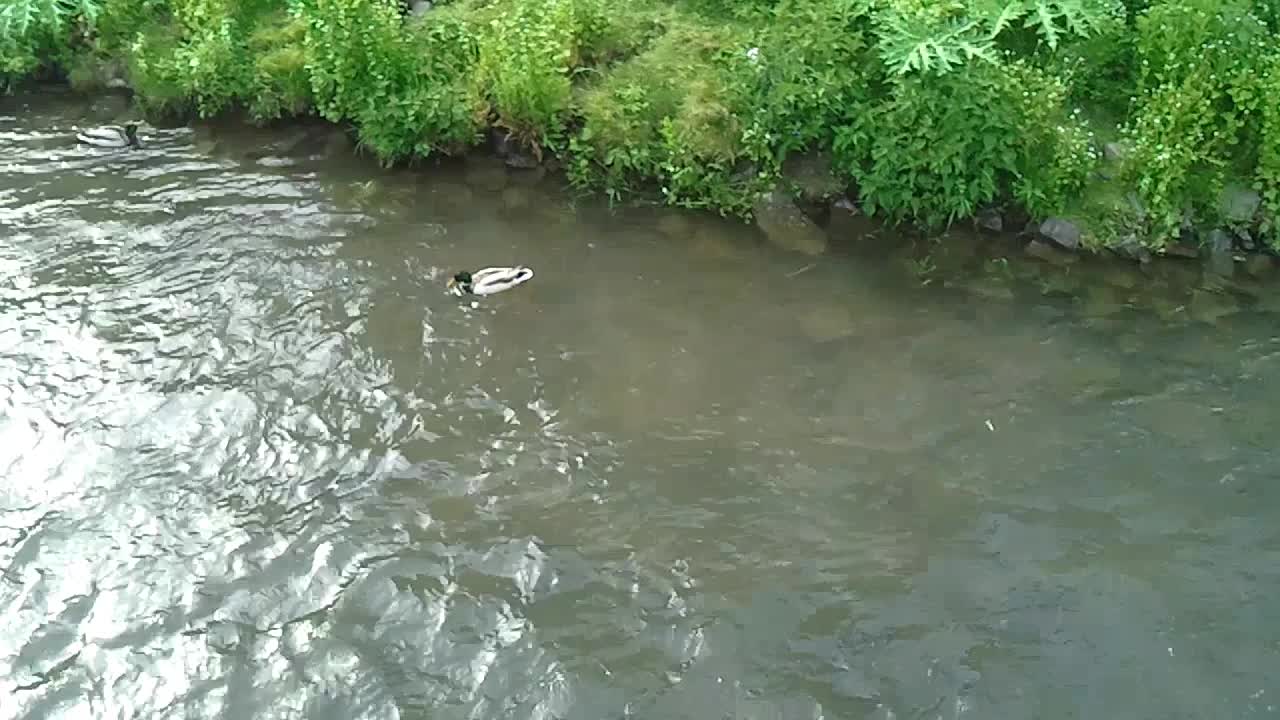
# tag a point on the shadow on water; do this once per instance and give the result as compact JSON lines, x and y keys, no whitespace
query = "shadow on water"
{"x":257,"y":464}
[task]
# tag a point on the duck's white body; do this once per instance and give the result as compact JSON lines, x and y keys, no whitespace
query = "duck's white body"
{"x":490,"y":280}
{"x":109,"y":136}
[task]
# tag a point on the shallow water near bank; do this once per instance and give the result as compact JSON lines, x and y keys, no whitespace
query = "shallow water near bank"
{"x":257,"y":464}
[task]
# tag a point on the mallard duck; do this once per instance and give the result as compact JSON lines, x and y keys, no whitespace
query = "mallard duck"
{"x":111,"y":136}
{"x":489,"y":280}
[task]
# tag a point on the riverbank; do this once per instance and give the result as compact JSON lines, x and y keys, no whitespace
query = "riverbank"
{"x":1131,"y":129}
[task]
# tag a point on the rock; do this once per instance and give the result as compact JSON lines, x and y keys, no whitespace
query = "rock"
{"x":1239,"y":204}
{"x":954,"y":255}
{"x":844,"y":204}
{"x":1167,"y":308}
{"x":812,"y":173}
{"x":786,"y":226}
{"x":515,"y":198}
{"x":419,"y":7}
{"x":1218,"y":259}
{"x":1101,"y":301}
{"x":1259,"y":266}
{"x":507,"y":148}
{"x":827,"y":322}
{"x":1063,"y":233}
{"x":337,"y":143}
{"x":713,"y":242}
{"x":1115,"y":151}
{"x":485,"y":176}
{"x":520,"y":161}
{"x":990,"y":219}
{"x":1207,"y":306}
{"x":1130,"y":248}
{"x":991,"y":288}
{"x":452,"y":195}
{"x":1041,"y":250}
{"x":1123,"y":277}
{"x":1181,"y":249}
{"x":674,"y":225}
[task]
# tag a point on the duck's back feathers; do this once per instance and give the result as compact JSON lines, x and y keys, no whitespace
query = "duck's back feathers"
{"x":109,"y":136}
{"x":493,"y":280}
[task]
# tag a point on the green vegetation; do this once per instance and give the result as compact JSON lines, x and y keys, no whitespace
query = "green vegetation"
{"x":931,"y":110}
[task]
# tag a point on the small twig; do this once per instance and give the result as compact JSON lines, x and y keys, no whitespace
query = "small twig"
{"x":804,"y":269}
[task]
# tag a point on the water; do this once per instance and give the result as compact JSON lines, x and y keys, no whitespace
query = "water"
{"x":258,"y":465}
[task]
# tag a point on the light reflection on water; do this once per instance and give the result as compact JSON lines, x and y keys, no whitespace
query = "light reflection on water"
{"x":257,"y":464}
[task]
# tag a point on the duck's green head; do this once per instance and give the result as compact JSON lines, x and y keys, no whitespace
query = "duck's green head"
{"x":462,"y":280}
{"x":131,"y":134}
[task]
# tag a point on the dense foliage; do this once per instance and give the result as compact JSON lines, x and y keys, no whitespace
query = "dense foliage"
{"x":930,"y":109}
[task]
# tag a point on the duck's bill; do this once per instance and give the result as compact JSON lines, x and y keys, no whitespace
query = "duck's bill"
{"x":451,"y":284}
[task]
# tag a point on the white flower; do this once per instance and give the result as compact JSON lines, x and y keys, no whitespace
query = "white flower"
{"x":754,"y":54}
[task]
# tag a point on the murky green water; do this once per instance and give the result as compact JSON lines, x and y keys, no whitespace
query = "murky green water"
{"x":257,"y":465}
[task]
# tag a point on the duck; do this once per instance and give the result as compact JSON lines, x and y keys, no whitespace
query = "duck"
{"x":111,"y":136}
{"x":489,"y":281}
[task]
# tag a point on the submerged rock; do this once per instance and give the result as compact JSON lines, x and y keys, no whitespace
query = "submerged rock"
{"x":485,"y":175}
{"x":812,"y":173}
{"x":712,"y":243}
{"x":786,"y":225}
{"x":1218,"y":258}
{"x":1208,"y":306}
{"x":1051,"y":254}
{"x":1122,"y":278}
{"x":674,"y":225}
{"x":1239,"y":204}
{"x":1062,"y":232}
{"x":515,"y":198}
{"x":1102,"y":300}
{"x":827,"y":322}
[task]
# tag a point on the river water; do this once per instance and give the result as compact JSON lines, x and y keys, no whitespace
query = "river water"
{"x":256,"y":464}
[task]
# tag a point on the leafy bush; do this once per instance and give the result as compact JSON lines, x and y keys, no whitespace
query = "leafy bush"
{"x":664,"y":116}
{"x":36,"y":34}
{"x":1204,"y":69}
{"x":406,"y":90}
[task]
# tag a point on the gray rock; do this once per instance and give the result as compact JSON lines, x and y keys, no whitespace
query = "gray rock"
{"x":419,"y":7}
{"x":520,"y":161}
{"x":1115,"y":151}
{"x":786,"y":226}
{"x":1063,"y":233}
{"x":844,"y":204}
{"x":1130,"y":248}
{"x":812,"y":173}
{"x":1046,"y":252}
{"x":990,"y":219}
{"x":1218,"y":259}
{"x":1239,"y":204}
